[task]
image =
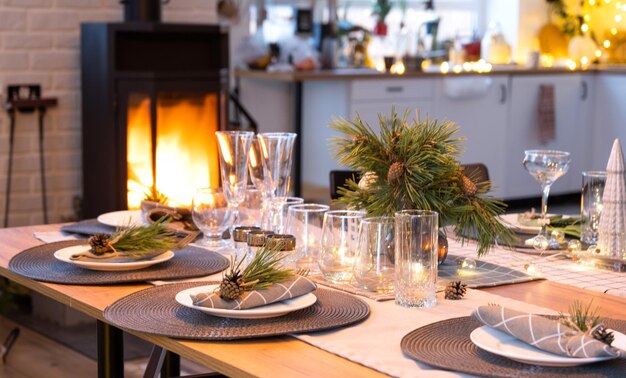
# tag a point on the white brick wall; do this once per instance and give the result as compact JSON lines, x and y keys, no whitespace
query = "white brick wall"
{"x":39,"y":43}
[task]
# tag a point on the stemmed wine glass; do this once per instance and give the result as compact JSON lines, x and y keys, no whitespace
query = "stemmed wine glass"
{"x":234,"y":149}
{"x":258,"y":176}
{"x":546,"y":166}
{"x":276,"y":151}
{"x":212,"y":214}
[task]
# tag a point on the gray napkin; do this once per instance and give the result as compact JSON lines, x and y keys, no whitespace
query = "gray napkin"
{"x":546,"y":334}
{"x":88,"y":227}
{"x":277,"y":292}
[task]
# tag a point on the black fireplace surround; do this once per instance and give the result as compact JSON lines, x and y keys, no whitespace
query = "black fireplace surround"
{"x":149,"y":55}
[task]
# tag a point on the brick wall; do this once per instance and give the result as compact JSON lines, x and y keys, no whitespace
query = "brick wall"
{"x":39,"y":43}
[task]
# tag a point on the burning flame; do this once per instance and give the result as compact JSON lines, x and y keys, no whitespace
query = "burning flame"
{"x":186,"y":148}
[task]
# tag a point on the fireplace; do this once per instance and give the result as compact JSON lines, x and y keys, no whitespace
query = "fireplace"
{"x":153,"y":95}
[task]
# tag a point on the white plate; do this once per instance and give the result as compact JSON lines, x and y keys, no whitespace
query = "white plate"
{"x":512,"y":221}
{"x":122,"y":218}
{"x":64,"y":255}
{"x":505,"y":345}
{"x":268,"y":311}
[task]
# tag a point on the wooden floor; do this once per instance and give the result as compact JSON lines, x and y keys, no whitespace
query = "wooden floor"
{"x":35,"y":356}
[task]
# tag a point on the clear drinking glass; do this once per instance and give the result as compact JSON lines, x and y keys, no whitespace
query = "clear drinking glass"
{"x":250,"y":210}
{"x":416,"y":255}
{"x":374,"y":265}
{"x":591,"y":205}
{"x":338,"y":247}
{"x":305,"y":221}
{"x":277,"y":154}
{"x":234,"y":148}
{"x":546,"y":166}
{"x":212,"y":214}
{"x":277,"y":213}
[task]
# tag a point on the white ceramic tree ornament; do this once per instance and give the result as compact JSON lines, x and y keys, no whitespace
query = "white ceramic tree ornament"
{"x":612,"y":229}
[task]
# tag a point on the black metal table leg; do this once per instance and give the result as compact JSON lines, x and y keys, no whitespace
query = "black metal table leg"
{"x":44,"y":200}
{"x":7,"y":199}
{"x":110,"y":351}
{"x":171,"y":365}
{"x":297,"y":159}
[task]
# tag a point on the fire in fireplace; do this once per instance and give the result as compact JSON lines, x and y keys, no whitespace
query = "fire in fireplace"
{"x":153,"y":95}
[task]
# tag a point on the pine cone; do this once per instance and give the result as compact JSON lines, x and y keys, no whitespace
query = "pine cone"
{"x":455,"y":290}
{"x":396,"y":170}
{"x":230,"y":288}
{"x":469,"y":186}
{"x":601,"y":333}
{"x":100,"y":244}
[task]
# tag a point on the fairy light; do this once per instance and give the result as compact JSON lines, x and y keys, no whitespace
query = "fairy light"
{"x":571,"y":64}
{"x":457,"y":69}
{"x":618,"y":18}
{"x":598,"y":53}
{"x":613,"y":31}
{"x":606,"y":43}
{"x":584,"y":28}
{"x":467,"y":66}
{"x":592,"y":2}
{"x":623,"y":7}
{"x":445,"y":67}
{"x":587,"y":18}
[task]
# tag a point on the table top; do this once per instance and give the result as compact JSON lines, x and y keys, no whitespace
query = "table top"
{"x":281,"y":356}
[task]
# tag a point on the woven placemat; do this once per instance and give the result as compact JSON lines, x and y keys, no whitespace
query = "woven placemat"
{"x":39,"y":263}
{"x":485,"y":275}
{"x":447,"y":345}
{"x":155,"y":311}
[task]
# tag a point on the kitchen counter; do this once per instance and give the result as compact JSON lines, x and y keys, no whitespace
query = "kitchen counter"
{"x":496,"y":112}
{"x":368,"y":73}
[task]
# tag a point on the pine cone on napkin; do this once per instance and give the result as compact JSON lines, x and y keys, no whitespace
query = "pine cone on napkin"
{"x":546,"y":334}
{"x":280,"y":291}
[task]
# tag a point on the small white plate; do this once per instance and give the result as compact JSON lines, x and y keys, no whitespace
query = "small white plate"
{"x":505,"y":345}
{"x":512,"y":221}
{"x":64,"y":255}
{"x":122,"y":218}
{"x":268,"y":311}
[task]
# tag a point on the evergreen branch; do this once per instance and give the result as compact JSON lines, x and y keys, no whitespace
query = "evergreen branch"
{"x":417,"y":167}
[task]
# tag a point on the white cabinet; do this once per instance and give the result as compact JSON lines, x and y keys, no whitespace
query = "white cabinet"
{"x":369,"y":98}
{"x":610,"y":117}
{"x":479,"y":106}
{"x":572,"y":102}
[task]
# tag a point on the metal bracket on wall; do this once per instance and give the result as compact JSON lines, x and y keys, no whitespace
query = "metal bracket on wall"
{"x":26,"y":98}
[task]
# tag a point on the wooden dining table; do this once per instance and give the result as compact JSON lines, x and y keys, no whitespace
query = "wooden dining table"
{"x":263,"y":357}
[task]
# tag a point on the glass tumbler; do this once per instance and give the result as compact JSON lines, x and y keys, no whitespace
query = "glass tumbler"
{"x":212,"y":214}
{"x":305,"y":221}
{"x":591,"y":205}
{"x":416,"y":258}
{"x":277,"y":213}
{"x":339,"y":244}
{"x":374,"y":264}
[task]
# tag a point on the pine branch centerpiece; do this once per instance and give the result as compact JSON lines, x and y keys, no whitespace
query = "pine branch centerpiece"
{"x":414,"y":165}
{"x":264,"y":270}
{"x":134,"y":242}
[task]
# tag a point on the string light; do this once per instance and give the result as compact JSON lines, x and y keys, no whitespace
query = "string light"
{"x":584,"y":28}
{"x":618,"y":18}
{"x":613,"y":31}
{"x":606,"y":44}
{"x":598,"y":53}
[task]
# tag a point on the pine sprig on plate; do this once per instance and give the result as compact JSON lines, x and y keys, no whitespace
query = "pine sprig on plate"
{"x":264,"y":270}
{"x":414,"y":165}
{"x":135,"y":242}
